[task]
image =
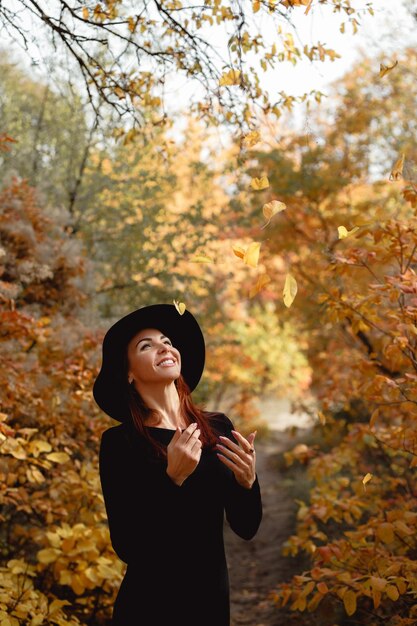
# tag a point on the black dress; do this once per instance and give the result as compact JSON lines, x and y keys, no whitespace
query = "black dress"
{"x":171,"y":536}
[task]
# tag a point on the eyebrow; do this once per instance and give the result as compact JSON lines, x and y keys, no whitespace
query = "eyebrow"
{"x":149,"y":339}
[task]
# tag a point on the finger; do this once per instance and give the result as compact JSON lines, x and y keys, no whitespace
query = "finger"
{"x":237,"y":471}
{"x":239,"y":459}
{"x":227,"y":461}
{"x":237,"y":450}
{"x":232,"y":446}
{"x":246,"y":444}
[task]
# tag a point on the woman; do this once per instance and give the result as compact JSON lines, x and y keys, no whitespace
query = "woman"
{"x":169,"y":472}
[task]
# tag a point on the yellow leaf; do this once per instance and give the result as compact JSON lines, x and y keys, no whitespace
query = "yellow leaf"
{"x":384,"y":69}
{"x":106,"y":167}
{"x":251,"y":256}
{"x":48,"y":555}
{"x":239,"y":251}
{"x":38,"y":445}
{"x":349,"y":601}
{"x":295,"y":3}
{"x":120,"y":93}
{"x":77,"y":584}
{"x":385,"y":532}
{"x":86,"y":13}
{"x":251,"y":139}
{"x":13,"y":447}
{"x":201,"y":258}
{"x":308,"y":7}
{"x":131,"y":24}
{"x":232,"y":77}
{"x":58,"y":457}
{"x":366,"y":479}
{"x":259,"y":183}
{"x":400,"y":525}
{"x":392,"y":592}
{"x":343,"y":232}
{"x":34,"y":475}
{"x":323,"y":588}
{"x":256,"y":5}
{"x":397,"y":170}
{"x":314,"y":602}
{"x":322,"y":417}
{"x":263,"y":280}
{"x":272,"y":208}
{"x":374,"y":416}
{"x":290,"y":290}
{"x":180,"y":306}
{"x":57,"y":604}
{"x":376,"y":596}
{"x":401,"y":584}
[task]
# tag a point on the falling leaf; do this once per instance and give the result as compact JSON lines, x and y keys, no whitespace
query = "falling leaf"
{"x":239,"y":251}
{"x":259,"y":183}
{"x":263,"y":280}
{"x":232,"y":77}
{"x":180,"y":306}
{"x":321,"y":417}
{"x":343,"y":232}
{"x":251,"y":256}
{"x":366,"y":479}
{"x":308,"y":7}
{"x":384,"y":69}
{"x":290,"y":290}
{"x":251,"y":139}
{"x":271,"y":208}
{"x":397,"y":170}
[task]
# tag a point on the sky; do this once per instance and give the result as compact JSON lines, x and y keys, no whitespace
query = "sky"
{"x":384,"y":33}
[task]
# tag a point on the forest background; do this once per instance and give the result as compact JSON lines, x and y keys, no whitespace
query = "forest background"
{"x":294,"y":246}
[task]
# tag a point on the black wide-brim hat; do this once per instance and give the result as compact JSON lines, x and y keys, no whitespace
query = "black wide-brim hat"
{"x":183,"y":330}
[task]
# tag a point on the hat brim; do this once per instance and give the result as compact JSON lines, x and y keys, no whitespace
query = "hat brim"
{"x":109,"y":388}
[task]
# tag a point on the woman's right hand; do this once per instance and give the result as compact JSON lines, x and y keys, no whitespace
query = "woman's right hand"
{"x":184,"y":452}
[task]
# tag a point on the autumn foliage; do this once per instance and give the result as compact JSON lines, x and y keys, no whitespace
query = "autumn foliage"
{"x":356,"y":271}
{"x":57,"y":565}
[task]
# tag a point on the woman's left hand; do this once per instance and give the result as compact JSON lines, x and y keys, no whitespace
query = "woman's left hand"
{"x":239,"y":459}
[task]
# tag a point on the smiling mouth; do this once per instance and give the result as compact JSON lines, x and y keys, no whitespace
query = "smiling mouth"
{"x":167,"y":363}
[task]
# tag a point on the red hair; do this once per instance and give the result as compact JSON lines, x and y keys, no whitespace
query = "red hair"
{"x":140,"y":412}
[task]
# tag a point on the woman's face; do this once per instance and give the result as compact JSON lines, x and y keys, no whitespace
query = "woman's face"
{"x":146,"y":352}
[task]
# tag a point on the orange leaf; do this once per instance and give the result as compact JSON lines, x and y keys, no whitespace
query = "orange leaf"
{"x":349,"y":601}
{"x":385,"y":532}
{"x":392,"y":592}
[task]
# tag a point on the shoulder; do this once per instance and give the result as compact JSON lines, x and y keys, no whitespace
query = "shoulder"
{"x":219,"y":420}
{"x":114,"y":432}
{"x":115,"y":436}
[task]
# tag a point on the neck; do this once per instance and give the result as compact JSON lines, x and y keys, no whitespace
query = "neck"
{"x":165,"y":400}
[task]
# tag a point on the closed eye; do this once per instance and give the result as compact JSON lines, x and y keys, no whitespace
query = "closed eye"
{"x":148,"y":344}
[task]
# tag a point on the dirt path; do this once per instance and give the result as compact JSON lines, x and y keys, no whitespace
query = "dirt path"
{"x":256,"y":566}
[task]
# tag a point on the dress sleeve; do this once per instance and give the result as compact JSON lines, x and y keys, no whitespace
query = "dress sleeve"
{"x":243,"y":506}
{"x":139,"y":497}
